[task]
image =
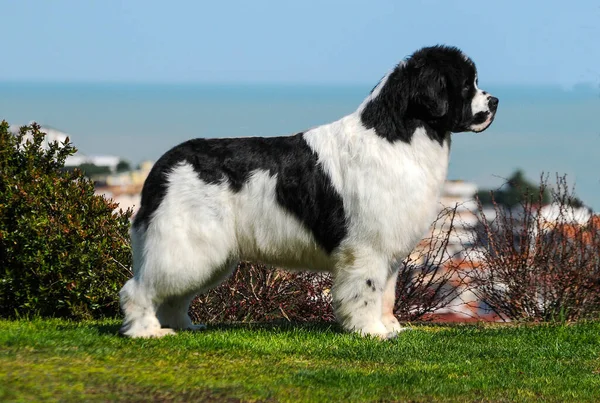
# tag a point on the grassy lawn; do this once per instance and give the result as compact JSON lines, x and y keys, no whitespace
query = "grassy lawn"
{"x":87,"y":361}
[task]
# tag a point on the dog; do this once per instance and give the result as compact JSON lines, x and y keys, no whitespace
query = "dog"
{"x":352,"y":198}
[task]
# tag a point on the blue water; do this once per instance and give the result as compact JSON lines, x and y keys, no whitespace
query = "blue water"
{"x":537,"y":129}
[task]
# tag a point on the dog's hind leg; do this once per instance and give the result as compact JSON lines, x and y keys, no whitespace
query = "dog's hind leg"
{"x":170,"y":267}
{"x":138,"y":297}
{"x":140,"y":312}
{"x":173,"y":313}
{"x":183,"y":247}
{"x":358,"y":288}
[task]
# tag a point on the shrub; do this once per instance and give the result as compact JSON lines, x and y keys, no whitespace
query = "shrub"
{"x":537,"y":267}
{"x":258,"y":293}
{"x":123,"y":166}
{"x":63,"y":250}
{"x":431,"y":278}
{"x":514,"y":192}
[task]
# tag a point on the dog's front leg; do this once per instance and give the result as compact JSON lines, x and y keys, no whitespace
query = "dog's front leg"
{"x":389,"y":300}
{"x":358,"y":288}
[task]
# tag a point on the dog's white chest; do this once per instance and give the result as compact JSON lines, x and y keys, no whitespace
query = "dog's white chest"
{"x":390,"y":190}
{"x":413,"y":184}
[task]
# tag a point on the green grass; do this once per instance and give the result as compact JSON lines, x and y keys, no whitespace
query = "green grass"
{"x":87,"y":361}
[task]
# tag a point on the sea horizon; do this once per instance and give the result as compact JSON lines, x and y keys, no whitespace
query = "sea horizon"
{"x":539,"y":128}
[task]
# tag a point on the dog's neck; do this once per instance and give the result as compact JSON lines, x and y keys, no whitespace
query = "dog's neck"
{"x":399,"y":127}
{"x":387,"y":111}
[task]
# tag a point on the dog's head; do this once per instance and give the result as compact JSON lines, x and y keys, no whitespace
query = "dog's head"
{"x":444,"y":88}
{"x":436,"y":85}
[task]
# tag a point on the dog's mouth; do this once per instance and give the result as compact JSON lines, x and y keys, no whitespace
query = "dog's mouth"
{"x":481,"y":121}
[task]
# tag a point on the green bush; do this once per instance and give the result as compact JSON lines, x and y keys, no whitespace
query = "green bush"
{"x":514,"y":192}
{"x":64,"y":251}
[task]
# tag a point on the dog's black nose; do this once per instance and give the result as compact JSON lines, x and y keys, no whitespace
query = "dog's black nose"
{"x":493,"y":104}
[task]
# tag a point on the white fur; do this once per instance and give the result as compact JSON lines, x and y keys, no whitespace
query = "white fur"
{"x":480,"y":103}
{"x":390,"y":192}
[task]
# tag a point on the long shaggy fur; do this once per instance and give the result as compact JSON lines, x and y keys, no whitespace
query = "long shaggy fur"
{"x":352,"y":197}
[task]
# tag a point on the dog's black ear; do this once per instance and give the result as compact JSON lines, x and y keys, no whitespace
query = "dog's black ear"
{"x":430,"y":91}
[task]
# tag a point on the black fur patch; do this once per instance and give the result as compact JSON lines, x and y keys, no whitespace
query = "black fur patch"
{"x":302,"y":187}
{"x":426,"y":91}
{"x":480,"y":117}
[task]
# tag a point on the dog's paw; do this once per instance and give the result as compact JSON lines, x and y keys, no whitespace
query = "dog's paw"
{"x":393,"y":334}
{"x":375,"y":330}
{"x":384,"y":330}
{"x":164,"y":332}
{"x":195,"y":328}
{"x":158,"y":333}
{"x":149,"y":333}
{"x":391,"y":324}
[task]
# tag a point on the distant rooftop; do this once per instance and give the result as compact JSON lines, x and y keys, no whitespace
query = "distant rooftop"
{"x":55,"y":135}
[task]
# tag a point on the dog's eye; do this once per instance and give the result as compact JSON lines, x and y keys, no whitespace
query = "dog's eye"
{"x":466,"y":88}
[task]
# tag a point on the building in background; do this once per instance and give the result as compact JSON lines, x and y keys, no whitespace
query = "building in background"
{"x":125,"y":188}
{"x":78,"y":159}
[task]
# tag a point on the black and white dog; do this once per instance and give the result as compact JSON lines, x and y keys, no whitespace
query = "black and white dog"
{"x":352,"y":197}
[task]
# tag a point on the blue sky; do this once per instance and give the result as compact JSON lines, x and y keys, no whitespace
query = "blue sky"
{"x":310,"y":41}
